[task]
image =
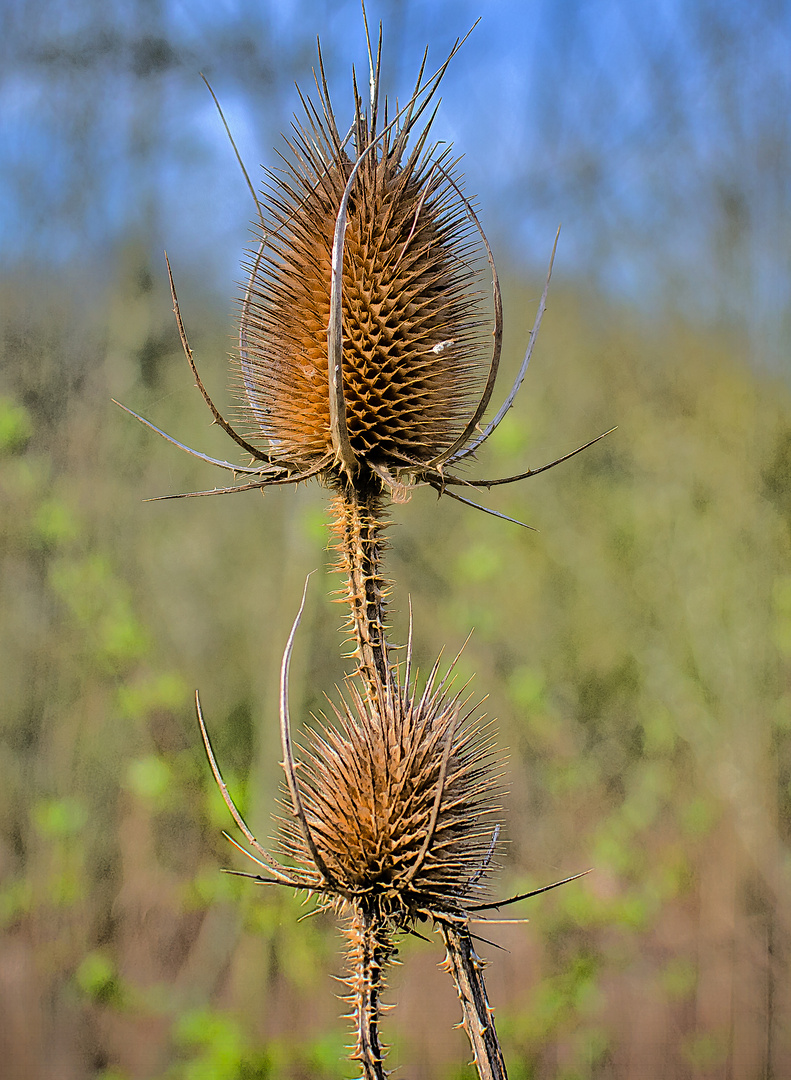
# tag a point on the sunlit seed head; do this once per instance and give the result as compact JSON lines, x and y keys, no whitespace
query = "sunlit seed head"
{"x":401,"y":798}
{"x":415,"y":327}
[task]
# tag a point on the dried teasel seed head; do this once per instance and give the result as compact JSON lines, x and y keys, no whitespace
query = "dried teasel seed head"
{"x":400,"y":798}
{"x":416,"y":331}
{"x":364,"y":331}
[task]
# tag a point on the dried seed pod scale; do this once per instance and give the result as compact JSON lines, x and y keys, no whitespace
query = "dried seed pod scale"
{"x":367,"y":359}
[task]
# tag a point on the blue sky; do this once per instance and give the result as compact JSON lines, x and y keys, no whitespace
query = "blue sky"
{"x":658,"y":134}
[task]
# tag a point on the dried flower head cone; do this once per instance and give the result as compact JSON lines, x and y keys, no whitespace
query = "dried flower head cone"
{"x":415,"y":332}
{"x":368,"y":354}
{"x":391,"y":818}
{"x":400,"y":801}
{"x":393,"y":822}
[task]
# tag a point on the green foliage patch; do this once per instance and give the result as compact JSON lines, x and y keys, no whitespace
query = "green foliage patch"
{"x":637,"y":649}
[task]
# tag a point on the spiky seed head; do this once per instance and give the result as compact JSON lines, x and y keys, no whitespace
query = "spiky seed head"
{"x":415,"y":327}
{"x":401,"y":797}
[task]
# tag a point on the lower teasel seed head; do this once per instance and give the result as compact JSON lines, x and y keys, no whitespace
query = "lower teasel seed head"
{"x":400,"y":796}
{"x":393,"y":809}
{"x":394,"y":824}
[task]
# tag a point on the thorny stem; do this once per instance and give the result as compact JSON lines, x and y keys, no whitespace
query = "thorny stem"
{"x":466,"y":967}
{"x":360,"y":547}
{"x":358,"y":527}
{"x":370,"y":949}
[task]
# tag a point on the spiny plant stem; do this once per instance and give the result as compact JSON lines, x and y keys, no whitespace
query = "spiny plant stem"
{"x":466,"y":967}
{"x":357,"y":523}
{"x":369,"y":951}
{"x":358,"y":527}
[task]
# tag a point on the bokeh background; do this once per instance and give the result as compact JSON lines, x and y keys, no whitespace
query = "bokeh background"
{"x":636,"y":650}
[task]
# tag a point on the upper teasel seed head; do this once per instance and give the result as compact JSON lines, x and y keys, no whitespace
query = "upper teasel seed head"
{"x":414,"y":324}
{"x":365,"y":356}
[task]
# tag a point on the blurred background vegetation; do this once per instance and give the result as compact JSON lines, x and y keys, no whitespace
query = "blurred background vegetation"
{"x":636,"y":650}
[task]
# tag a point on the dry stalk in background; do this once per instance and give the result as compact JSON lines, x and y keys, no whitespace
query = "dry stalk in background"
{"x":367,"y":359}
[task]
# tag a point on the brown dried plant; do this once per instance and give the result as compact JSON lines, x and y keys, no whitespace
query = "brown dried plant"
{"x":392,"y":824}
{"x":367,"y":359}
{"x":362,"y":356}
